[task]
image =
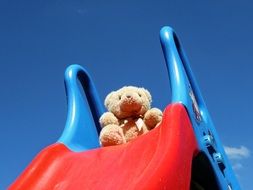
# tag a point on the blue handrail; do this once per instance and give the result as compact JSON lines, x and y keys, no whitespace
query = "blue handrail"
{"x":185,"y":90}
{"x":82,"y":126}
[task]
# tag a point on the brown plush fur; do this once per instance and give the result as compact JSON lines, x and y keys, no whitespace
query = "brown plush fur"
{"x":129,"y":115}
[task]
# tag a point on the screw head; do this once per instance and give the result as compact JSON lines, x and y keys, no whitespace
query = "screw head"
{"x":217,"y":156}
{"x":208,"y":140}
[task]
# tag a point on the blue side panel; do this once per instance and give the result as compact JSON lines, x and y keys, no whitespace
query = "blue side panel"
{"x":186,"y":91}
{"x":82,"y":126}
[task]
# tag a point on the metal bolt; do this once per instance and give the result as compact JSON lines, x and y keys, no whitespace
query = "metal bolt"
{"x":208,"y":140}
{"x":217,"y":156}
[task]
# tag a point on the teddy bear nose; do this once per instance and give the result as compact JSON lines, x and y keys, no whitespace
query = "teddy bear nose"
{"x":128,"y":96}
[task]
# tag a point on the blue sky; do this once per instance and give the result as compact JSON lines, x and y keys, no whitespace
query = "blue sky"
{"x":118,"y":42}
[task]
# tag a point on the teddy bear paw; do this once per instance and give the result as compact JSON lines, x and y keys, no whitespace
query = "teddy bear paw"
{"x":111,"y":135}
{"x":107,"y":119}
{"x":153,"y":117}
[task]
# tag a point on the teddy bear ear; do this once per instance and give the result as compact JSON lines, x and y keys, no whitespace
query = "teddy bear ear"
{"x":108,"y":99}
{"x":147,"y":93}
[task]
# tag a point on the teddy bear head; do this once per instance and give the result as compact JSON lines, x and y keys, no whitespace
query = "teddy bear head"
{"x":128,"y":101}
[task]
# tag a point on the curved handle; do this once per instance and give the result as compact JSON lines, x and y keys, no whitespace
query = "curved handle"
{"x":82,"y":126}
{"x":185,"y":90}
{"x":181,"y":77}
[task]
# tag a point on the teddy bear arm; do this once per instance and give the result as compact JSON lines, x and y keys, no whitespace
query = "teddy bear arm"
{"x":111,"y":135}
{"x":152,"y":117}
{"x":107,"y":119}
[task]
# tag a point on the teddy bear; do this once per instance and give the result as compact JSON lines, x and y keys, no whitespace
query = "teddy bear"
{"x":129,"y":115}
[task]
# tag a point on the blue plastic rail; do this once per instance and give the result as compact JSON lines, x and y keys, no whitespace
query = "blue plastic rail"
{"x":186,"y":91}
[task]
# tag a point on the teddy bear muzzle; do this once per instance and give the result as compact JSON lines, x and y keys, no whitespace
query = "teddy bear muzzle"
{"x":130,"y":103}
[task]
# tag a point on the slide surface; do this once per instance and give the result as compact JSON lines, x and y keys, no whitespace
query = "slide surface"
{"x":160,"y":159}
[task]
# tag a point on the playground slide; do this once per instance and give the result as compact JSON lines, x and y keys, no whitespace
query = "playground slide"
{"x":183,"y":152}
{"x":160,"y":159}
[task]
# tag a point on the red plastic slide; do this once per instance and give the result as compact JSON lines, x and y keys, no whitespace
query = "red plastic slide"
{"x":160,"y":159}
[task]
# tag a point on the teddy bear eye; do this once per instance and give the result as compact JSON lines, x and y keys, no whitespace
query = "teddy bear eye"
{"x":119,"y":97}
{"x":139,"y":94}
